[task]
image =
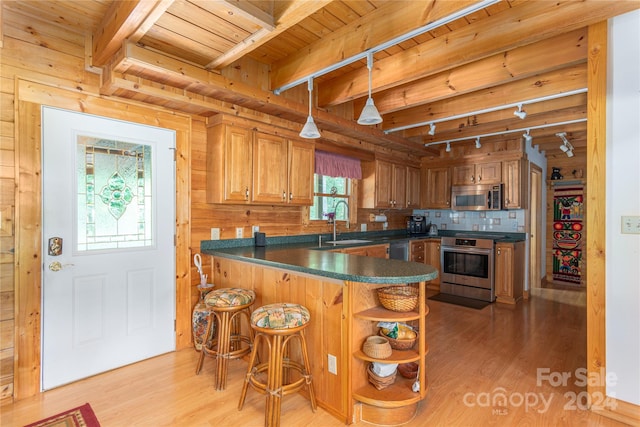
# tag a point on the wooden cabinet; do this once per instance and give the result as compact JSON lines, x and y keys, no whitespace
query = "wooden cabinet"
{"x":384,"y":185}
{"x":514,"y":176}
{"x":375,"y":251}
{"x":509,"y":272}
{"x":427,"y":251}
{"x":413,"y":187}
{"x":432,"y":257}
{"x":245,"y":166}
{"x":397,"y":403}
{"x":437,"y":195}
{"x":480,"y":173}
{"x":229,"y":164}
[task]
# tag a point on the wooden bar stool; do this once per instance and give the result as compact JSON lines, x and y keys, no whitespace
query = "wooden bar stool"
{"x":228,"y":306}
{"x":277,"y":325}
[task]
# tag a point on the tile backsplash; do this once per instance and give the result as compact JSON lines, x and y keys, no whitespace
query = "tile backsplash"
{"x":511,"y":221}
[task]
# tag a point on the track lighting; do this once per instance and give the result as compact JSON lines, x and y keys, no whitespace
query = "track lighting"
{"x":566,"y":146}
{"x":370,"y":114}
{"x":448,"y":149}
{"x":310,"y":130}
{"x":527,"y":137}
{"x":432,"y":129}
{"x":478,"y":145}
{"x":520,"y":112}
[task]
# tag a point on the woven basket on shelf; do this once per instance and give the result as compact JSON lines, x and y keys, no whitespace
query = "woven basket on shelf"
{"x":398,"y":298}
{"x":380,"y":382}
{"x":400,"y":344}
{"x":377,"y":347}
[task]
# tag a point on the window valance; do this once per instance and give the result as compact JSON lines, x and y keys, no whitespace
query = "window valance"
{"x":336,"y":165}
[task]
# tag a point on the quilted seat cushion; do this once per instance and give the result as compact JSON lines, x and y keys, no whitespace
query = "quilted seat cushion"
{"x":280,"y":316}
{"x":229,"y":297}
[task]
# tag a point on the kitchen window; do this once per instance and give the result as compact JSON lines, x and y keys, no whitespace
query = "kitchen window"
{"x":327,"y":192}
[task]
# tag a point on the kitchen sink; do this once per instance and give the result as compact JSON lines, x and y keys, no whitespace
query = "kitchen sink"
{"x":347,"y":242}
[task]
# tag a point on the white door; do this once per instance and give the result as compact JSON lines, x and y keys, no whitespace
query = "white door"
{"x":109,"y":211}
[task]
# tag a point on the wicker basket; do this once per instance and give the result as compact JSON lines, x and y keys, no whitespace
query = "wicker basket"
{"x":398,"y":298}
{"x":400,"y":344}
{"x":377,"y":346}
{"x":380,"y":382}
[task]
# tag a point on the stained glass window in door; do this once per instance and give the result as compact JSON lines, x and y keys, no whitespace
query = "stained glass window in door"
{"x":113,"y":194}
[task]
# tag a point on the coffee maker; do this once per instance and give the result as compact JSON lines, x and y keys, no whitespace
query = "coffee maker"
{"x":416,"y":224}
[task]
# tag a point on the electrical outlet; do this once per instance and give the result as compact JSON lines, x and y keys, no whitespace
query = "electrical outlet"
{"x":215,"y":234}
{"x":363,"y":227}
{"x":255,"y":229}
{"x":332,"y":364}
{"x":631,"y":225}
{"x":385,"y":225}
{"x":238,"y":232}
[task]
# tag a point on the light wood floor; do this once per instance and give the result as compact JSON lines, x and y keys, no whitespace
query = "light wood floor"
{"x":475,"y":355}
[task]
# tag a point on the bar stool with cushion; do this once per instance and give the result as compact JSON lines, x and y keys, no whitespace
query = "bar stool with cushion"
{"x":277,"y":325}
{"x":228,"y":306}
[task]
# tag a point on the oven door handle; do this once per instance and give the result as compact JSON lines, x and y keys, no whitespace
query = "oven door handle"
{"x":467,"y":250}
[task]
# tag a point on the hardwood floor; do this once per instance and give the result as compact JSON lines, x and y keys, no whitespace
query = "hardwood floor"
{"x":476,"y":357}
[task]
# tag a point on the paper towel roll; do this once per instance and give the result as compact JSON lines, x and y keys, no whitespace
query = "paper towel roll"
{"x":380,"y":218}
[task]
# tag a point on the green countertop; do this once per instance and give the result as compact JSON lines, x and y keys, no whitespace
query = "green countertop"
{"x":304,"y":254}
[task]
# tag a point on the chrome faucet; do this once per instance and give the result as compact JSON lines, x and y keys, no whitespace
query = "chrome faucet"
{"x":335,"y":208}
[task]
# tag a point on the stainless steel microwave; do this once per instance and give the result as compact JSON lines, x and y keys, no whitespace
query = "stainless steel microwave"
{"x":483,"y":197}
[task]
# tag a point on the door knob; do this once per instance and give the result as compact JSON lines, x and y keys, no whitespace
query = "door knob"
{"x":57,"y":266}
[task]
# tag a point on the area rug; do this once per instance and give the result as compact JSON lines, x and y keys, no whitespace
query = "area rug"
{"x":82,"y":416}
{"x":457,"y":300}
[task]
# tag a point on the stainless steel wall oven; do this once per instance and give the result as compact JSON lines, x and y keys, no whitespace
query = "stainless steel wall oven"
{"x":467,"y":267}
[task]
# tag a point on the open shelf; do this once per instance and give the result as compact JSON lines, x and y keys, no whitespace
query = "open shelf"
{"x":382,"y":314}
{"x":397,"y":394}
{"x":397,"y":356}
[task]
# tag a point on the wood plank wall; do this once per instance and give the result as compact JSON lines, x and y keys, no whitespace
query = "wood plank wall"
{"x":42,"y":52}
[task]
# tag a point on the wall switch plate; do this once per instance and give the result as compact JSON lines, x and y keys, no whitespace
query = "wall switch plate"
{"x":332,"y":364}
{"x":238,"y":232}
{"x":255,"y":229}
{"x":631,"y":225}
{"x":215,"y":234}
{"x":385,"y":225}
{"x":363,"y":227}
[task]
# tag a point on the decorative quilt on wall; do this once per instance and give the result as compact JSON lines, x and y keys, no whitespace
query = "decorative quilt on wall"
{"x":568,"y":225}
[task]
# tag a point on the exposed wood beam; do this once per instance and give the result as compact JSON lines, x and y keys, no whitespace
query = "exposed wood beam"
{"x":293,"y":14}
{"x":135,"y":60}
{"x":555,"y":82}
{"x":125,"y":19}
{"x":383,"y":24}
{"x":546,"y":55}
{"x":526,"y":22}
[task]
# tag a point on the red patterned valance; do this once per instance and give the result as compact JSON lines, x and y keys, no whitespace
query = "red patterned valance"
{"x":336,"y":165}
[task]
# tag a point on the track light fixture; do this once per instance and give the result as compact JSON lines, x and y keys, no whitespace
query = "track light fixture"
{"x":520,"y":112}
{"x":478,"y":145}
{"x":310,"y":130}
{"x":370,"y":114}
{"x":527,"y":137}
{"x":432,"y":129}
{"x":448,"y":149}
{"x":566,"y":146}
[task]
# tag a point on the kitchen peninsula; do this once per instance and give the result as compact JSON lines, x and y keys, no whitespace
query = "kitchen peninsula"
{"x":340,"y":292}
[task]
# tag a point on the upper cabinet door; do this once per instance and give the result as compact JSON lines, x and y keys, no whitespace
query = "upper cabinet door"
{"x":301,"y":169}
{"x":413,"y":187}
{"x":438,"y":191}
{"x":229,"y":164}
{"x":399,"y":187}
{"x":489,"y":173}
{"x":270,"y":169}
{"x":464,"y":175}
{"x":383,"y":182}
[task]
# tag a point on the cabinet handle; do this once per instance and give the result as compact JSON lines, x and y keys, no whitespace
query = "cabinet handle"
{"x":473,"y":178}
{"x":479,"y":178}
{"x":246,"y":193}
{"x":498,"y":251}
{"x":290,"y":196}
{"x":284,"y":195}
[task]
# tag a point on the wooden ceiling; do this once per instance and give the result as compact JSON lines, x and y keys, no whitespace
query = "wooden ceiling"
{"x":466,"y":74}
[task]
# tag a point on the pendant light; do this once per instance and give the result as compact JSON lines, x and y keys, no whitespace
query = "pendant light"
{"x":370,"y":114}
{"x":310,"y":130}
